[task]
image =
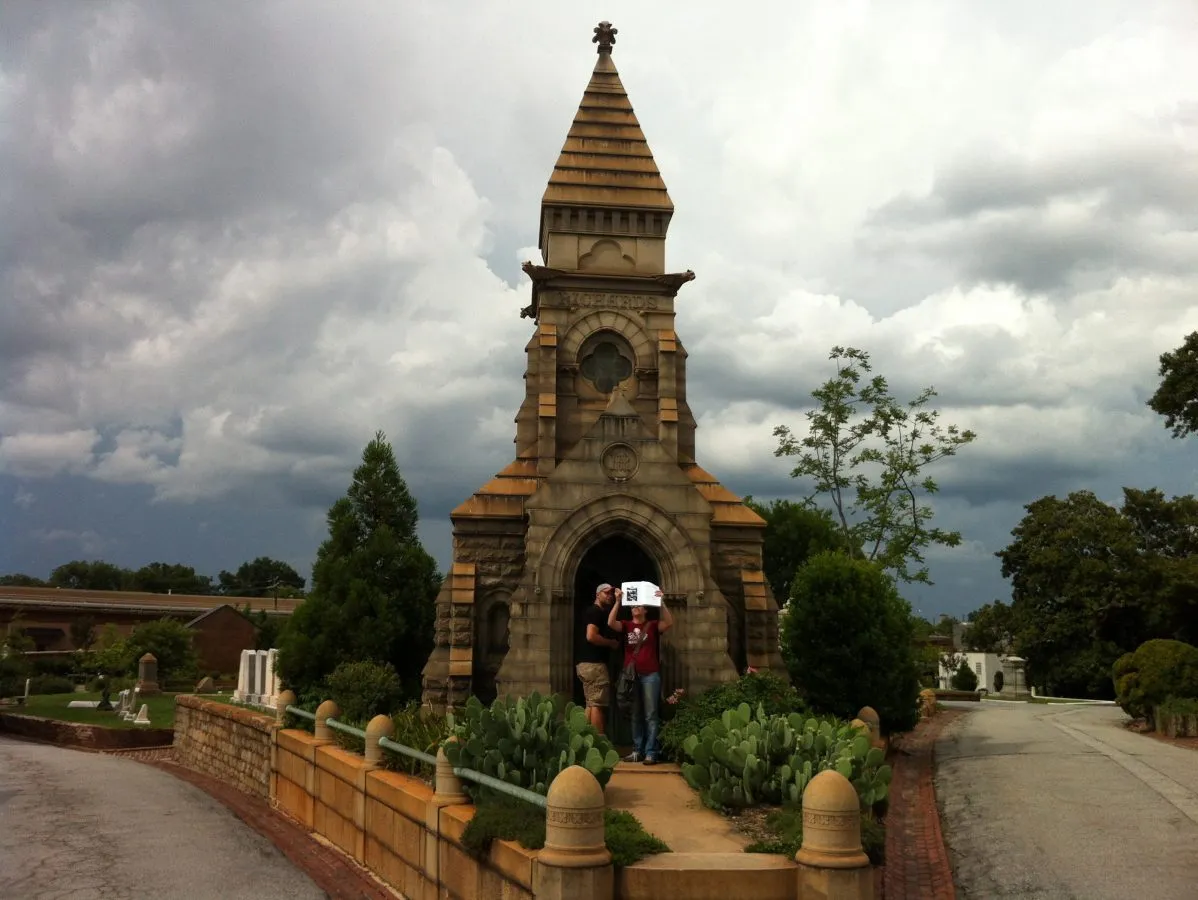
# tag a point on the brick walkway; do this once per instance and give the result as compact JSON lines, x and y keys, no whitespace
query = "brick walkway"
{"x":917,"y":866}
{"x":334,"y":872}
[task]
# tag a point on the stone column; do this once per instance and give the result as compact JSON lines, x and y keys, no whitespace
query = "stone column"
{"x":147,"y":675}
{"x":575,"y":863}
{"x":832,"y":865}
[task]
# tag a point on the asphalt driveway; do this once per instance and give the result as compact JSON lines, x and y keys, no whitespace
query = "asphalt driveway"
{"x":1061,"y":802}
{"x":83,"y":825}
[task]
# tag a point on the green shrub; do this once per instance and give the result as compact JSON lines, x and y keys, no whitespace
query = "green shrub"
{"x":692,"y":713}
{"x":964,"y":679}
{"x":50,"y":684}
{"x":116,"y":683}
{"x":745,"y":759}
{"x":1179,"y":706}
{"x":63,"y":666}
{"x":171,"y":644}
{"x":420,"y":729}
{"x":364,"y":690}
{"x":1156,"y":671}
{"x":787,"y":828}
{"x":526,"y":741}
{"x":848,"y":642}
{"x":508,"y":819}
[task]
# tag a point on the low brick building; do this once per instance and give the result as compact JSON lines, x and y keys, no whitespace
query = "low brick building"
{"x":46,"y":614}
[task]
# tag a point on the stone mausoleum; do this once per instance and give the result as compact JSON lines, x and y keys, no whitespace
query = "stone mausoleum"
{"x":605,"y":485}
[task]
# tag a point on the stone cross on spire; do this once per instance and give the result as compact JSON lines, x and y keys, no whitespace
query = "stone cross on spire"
{"x":605,"y":36}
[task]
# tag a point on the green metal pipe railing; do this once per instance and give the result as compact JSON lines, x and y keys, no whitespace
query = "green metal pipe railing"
{"x":496,"y":784}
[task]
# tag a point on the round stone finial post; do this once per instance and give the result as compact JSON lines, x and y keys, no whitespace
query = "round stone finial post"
{"x":284,"y":700}
{"x":870,"y":717}
{"x":324,"y":712}
{"x":447,"y":787}
{"x":379,"y":727}
{"x":831,"y":824}
{"x":574,"y":837}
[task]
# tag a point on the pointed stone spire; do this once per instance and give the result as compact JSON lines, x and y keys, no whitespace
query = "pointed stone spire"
{"x":606,"y":161}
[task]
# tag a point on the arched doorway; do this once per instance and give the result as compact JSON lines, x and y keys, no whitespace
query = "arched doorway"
{"x":613,"y":560}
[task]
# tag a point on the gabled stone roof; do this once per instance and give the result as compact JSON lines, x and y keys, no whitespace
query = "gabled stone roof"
{"x":606,"y":160}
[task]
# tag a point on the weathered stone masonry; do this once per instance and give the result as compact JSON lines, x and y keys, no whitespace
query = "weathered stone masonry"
{"x":226,"y":742}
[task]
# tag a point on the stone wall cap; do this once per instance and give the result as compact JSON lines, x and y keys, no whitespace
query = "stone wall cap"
{"x":576,"y":788}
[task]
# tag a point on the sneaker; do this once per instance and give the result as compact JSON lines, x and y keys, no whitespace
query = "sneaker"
{"x":650,"y":761}
{"x":632,"y":757}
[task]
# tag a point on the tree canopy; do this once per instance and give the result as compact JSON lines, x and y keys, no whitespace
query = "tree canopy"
{"x":794,"y":533}
{"x":867,"y":454}
{"x":1091,"y":582}
{"x":261,"y":577}
{"x":373,"y":584}
{"x":1177,"y":396}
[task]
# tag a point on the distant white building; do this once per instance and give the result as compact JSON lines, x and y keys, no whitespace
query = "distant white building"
{"x":985,"y":666}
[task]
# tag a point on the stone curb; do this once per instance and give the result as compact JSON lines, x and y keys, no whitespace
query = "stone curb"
{"x":917,"y":864}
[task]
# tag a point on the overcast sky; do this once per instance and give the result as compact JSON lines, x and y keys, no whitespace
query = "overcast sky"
{"x":238,"y":238}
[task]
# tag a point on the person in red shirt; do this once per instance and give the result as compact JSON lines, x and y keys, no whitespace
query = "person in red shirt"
{"x":642,"y":649}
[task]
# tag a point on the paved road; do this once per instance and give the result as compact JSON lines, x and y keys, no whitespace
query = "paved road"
{"x":1061,"y":802}
{"x":81,"y":826}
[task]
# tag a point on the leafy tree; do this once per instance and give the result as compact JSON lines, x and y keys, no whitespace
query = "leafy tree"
{"x":794,"y":532}
{"x":868,"y":453}
{"x":95,"y":575}
{"x":992,"y":628}
{"x":168,"y":578}
{"x":83,"y":632}
{"x":14,"y":664}
{"x":1177,"y":396}
{"x":270,"y":628}
{"x":964,"y":679}
{"x":1090,"y":582}
{"x":373,"y":585}
{"x":171,"y":643}
{"x":17,"y":579}
{"x":847,"y":641}
{"x":261,"y":577}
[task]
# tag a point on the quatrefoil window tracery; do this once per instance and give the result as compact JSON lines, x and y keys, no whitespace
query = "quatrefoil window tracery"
{"x":605,"y":367}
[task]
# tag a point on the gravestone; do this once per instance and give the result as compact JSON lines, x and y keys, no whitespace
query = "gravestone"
{"x":147,"y":675}
{"x":206,"y":685}
{"x":105,"y":695}
{"x":143,"y":715}
{"x":243,"y":677}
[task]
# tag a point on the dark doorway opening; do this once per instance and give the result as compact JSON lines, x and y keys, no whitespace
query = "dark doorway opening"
{"x":613,"y":560}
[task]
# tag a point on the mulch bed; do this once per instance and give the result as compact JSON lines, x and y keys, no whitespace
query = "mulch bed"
{"x":917,"y":864}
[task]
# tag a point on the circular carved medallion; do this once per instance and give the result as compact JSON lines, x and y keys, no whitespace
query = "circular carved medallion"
{"x":620,"y":462}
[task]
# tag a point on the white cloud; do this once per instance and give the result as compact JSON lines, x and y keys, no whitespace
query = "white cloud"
{"x":221,"y":279}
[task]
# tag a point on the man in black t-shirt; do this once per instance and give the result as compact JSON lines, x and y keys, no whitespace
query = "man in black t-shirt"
{"x":595,"y":656}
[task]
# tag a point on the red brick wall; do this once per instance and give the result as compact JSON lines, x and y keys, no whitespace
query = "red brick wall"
{"x":220,"y":638}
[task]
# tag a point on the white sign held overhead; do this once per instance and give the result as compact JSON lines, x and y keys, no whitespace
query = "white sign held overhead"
{"x":640,"y":593}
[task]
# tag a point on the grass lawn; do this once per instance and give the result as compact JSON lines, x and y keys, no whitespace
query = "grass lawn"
{"x":54,"y":706}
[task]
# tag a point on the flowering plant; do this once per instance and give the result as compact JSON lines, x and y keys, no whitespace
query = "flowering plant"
{"x":675,"y":697}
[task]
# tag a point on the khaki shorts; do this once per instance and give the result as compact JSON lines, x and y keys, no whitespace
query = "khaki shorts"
{"x":596,"y":683}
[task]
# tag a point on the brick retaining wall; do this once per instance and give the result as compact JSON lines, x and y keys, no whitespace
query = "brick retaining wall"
{"x":88,"y":737}
{"x":227,"y":742}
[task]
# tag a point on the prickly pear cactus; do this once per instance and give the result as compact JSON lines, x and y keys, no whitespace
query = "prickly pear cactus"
{"x":745,"y":758}
{"x":526,"y":741}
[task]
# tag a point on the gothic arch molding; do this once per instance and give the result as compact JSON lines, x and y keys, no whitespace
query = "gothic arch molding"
{"x":628,"y":515}
{"x":607,"y":320}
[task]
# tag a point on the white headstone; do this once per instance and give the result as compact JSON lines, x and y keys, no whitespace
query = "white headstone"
{"x":259,"y":676}
{"x":27,"y":681}
{"x":243,"y":680}
{"x":270,"y":691}
{"x":143,"y":715}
